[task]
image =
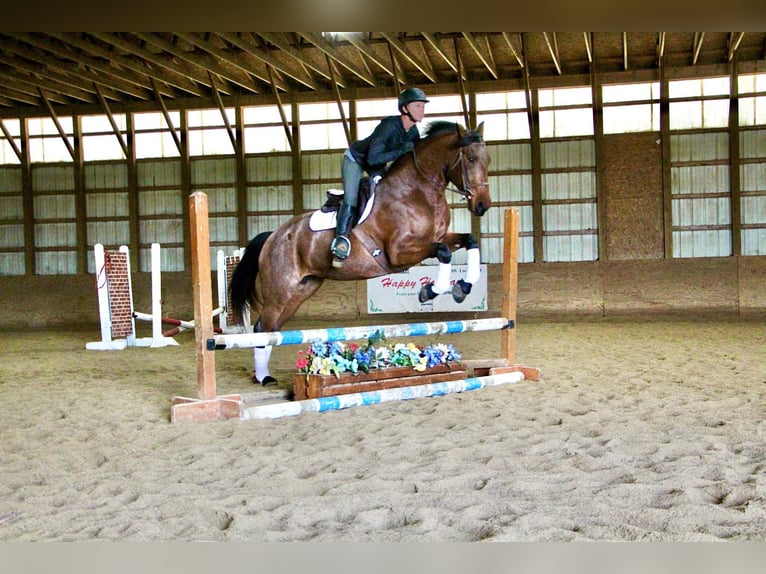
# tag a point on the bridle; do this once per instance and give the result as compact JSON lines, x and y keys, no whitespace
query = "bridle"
{"x":465,"y":190}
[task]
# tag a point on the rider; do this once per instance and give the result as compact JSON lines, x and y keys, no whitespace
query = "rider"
{"x":394,"y":136}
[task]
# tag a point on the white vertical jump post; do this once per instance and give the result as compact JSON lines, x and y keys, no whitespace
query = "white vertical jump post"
{"x":115,"y":301}
{"x":208,"y":406}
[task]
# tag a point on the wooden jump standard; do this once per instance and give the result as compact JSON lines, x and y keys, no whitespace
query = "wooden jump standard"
{"x":209,"y":406}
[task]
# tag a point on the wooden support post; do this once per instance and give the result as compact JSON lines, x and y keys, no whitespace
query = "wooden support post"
{"x":207,"y":406}
{"x":510,"y":283}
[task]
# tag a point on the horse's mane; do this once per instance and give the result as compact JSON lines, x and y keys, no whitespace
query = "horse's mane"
{"x":438,"y":127}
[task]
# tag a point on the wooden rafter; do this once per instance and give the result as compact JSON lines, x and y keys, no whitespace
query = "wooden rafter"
{"x":11,"y":141}
{"x":168,"y":119}
{"x":588,"y":48}
{"x":698,"y":38}
{"x":507,"y":38}
{"x":112,"y":122}
{"x":57,"y":123}
{"x":624,"y":50}
{"x":328,"y":49}
{"x":734,"y":39}
{"x":222,"y":109}
{"x":553,"y":48}
{"x":400,"y":47}
{"x":436,"y":45}
{"x":281,"y":109}
{"x":487,"y":61}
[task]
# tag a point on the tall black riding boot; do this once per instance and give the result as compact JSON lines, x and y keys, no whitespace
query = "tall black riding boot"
{"x":341,"y":245}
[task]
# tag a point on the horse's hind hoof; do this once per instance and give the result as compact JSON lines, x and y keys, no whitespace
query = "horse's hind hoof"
{"x":460,"y":290}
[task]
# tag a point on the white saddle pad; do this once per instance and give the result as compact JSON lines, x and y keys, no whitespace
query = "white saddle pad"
{"x":319,"y":221}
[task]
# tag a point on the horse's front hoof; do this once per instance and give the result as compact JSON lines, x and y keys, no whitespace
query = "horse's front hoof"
{"x":267,"y":380}
{"x":426,"y":294}
{"x":460,"y":290}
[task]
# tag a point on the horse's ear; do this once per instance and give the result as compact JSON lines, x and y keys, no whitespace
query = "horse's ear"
{"x":480,"y":129}
{"x":461,"y":131}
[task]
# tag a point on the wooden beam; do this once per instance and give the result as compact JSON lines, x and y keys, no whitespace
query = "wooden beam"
{"x":398,"y":80}
{"x":57,"y":123}
{"x":248,"y":47}
{"x":339,"y":101}
{"x":282,"y":114}
{"x":587,"y":37}
{"x":660,"y":47}
{"x":461,"y":86}
{"x":553,"y":48}
{"x":222,"y":109}
{"x":537,"y":178}
{"x":624,"y":50}
{"x":328,"y":49}
{"x":488,"y":63}
{"x":201,"y":61}
{"x":112,"y":121}
{"x":174,"y":73}
{"x":435,"y":44}
{"x":294,"y":53}
{"x":507,"y":38}
{"x":734,"y":41}
{"x":249,"y":68}
{"x":11,"y":141}
{"x":28,"y":84}
{"x":698,"y":37}
{"x":400,"y":47}
{"x":167,"y":117}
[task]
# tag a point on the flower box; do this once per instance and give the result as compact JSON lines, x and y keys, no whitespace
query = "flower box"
{"x":314,"y":386}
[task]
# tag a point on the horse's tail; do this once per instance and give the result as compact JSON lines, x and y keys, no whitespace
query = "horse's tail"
{"x":242,"y":286}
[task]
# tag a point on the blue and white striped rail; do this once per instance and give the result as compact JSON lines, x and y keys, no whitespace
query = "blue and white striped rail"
{"x":249,"y":340}
{"x":293,"y":408}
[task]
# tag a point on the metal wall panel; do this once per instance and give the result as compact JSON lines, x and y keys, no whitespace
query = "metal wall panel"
{"x":570,"y":247}
{"x":510,"y":188}
{"x":510,"y":156}
{"x":12,"y":236}
{"x":11,"y":207}
{"x":270,"y":198}
{"x":213,"y":170}
{"x":161,"y":231}
{"x":171,"y":259}
{"x":322,"y":166}
{"x":259,"y":223}
{"x":700,"y":179}
{"x":754,"y":242}
{"x":569,"y":185}
{"x":10,"y":179}
{"x":753,"y":177}
{"x":12,"y":263}
{"x":107,"y":204}
{"x":575,"y":217}
{"x":55,"y":235}
{"x":56,"y":262}
{"x":752,"y":144}
{"x":701,"y":212}
{"x":111,"y":234}
{"x":221,"y":199}
{"x":54,"y":207}
{"x":568,"y":153}
{"x":160,"y":202}
{"x":159,"y":173}
{"x":702,"y":243}
{"x":52,"y":178}
{"x":270,"y":167}
{"x":699,"y":147}
{"x":106,"y":175}
{"x":754,"y":209}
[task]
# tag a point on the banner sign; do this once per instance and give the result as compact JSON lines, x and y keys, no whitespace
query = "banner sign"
{"x":398,"y":292}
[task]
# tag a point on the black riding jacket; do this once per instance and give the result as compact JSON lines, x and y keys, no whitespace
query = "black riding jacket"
{"x":383,"y":145}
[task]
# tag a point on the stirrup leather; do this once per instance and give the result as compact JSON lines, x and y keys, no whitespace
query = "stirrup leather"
{"x":341,"y":247}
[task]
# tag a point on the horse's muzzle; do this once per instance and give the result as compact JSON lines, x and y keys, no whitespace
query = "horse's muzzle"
{"x":480,"y":209}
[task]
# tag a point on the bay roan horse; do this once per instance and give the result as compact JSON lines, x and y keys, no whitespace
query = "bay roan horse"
{"x":408,"y":223}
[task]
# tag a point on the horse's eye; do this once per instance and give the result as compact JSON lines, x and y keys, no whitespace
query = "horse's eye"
{"x":471,"y":159}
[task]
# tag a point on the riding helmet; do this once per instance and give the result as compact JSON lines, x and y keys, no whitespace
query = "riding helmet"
{"x":411,"y":95}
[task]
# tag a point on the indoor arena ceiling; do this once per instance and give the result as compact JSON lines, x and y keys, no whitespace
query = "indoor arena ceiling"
{"x":39,"y":70}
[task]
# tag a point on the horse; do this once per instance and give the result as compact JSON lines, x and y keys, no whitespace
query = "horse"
{"x":408,"y":223}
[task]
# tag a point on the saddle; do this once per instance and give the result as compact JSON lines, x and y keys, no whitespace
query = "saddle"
{"x":324,"y":217}
{"x":335,"y":198}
